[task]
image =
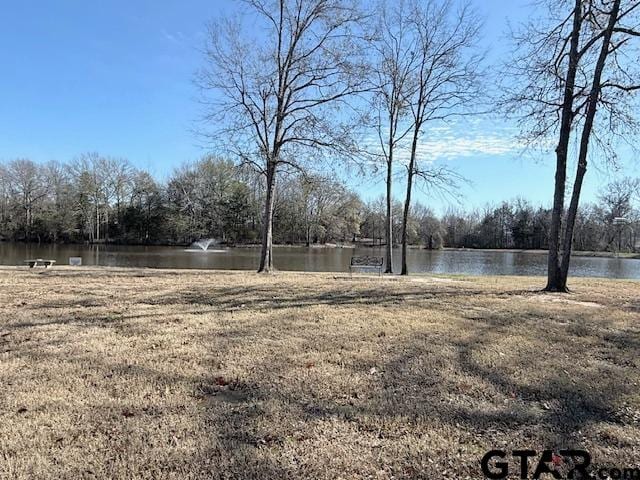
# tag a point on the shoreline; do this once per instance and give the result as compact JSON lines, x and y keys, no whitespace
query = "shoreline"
{"x":351,"y":246}
{"x":576,"y":253}
{"x":284,"y":274}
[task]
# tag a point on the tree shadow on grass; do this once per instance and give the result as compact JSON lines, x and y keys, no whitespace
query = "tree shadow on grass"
{"x":485,"y":404}
{"x":422,"y":405}
{"x":265,"y":298}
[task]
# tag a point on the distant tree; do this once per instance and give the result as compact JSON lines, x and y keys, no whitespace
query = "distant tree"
{"x":198,"y":195}
{"x":522,"y":225}
{"x":144,"y":217}
{"x":347,"y":218}
{"x":429,"y":228}
{"x":236,"y":213}
{"x":461,"y":228}
{"x":91,"y":174}
{"x":373,"y":221}
{"x":6,"y":200}
{"x":122,"y":182}
{"x":315,"y":209}
{"x":590,"y":230}
{"x":616,"y":200}
{"x":30,"y":188}
{"x":59,"y":217}
{"x":617,"y":197}
{"x":185,"y":205}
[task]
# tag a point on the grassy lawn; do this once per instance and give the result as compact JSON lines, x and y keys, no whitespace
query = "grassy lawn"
{"x":128,"y":374}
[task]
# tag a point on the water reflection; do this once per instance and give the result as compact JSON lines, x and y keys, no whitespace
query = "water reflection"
{"x":315,"y":259}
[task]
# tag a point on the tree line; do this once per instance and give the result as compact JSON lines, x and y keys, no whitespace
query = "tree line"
{"x":103,"y":199}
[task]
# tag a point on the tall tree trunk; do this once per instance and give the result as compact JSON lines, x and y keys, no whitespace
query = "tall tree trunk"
{"x":307,"y":223}
{"x":407,"y":199}
{"x":388,"y":231}
{"x":570,"y":223}
{"x":592,"y":106}
{"x":97,"y":239}
{"x":147,"y":222}
{"x":266,"y":254}
{"x":405,"y":221}
{"x":27,"y":220}
{"x":553,"y":265}
{"x":554,"y":280}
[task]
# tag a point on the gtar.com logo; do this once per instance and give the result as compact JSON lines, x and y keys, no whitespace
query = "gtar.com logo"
{"x":495,"y":464}
{"x":562,"y":464}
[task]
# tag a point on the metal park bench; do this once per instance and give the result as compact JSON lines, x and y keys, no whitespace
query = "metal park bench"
{"x":40,"y":261}
{"x":366,"y":262}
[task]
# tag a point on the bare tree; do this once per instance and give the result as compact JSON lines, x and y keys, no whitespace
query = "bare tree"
{"x":446,"y":84}
{"x":28,"y":184}
{"x":144,"y":194}
{"x":92,"y":173}
{"x":616,"y":199}
{"x":281,"y":97}
{"x":395,"y":53}
{"x":121,"y":182}
{"x":578,"y":62}
{"x":617,"y":196}
{"x":607,"y":21}
{"x":5,"y":199}
{"x":60,"y":214}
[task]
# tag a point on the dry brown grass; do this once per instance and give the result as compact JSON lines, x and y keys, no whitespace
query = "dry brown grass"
{"x":128,"y":374}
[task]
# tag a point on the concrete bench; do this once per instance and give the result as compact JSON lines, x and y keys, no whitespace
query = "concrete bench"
{"x":39,"y":261}
{"x":366,"y":262}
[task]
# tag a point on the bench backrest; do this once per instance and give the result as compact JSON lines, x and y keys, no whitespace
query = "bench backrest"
{"x":366,"y":261}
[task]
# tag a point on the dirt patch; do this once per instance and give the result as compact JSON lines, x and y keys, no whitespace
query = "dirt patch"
{"x":550,"y":298}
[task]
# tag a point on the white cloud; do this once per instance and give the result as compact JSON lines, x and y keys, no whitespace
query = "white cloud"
{"x":461,"y":140}
{"x":177,"y":37}
{"x":451,"y":146}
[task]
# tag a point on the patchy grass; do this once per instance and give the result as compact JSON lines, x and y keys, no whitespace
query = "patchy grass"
{"x":115,"y":373}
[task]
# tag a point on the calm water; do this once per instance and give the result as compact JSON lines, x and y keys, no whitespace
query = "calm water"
{"x":315,"y":259}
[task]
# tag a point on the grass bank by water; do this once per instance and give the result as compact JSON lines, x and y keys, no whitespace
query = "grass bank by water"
{"x":125,"y":373}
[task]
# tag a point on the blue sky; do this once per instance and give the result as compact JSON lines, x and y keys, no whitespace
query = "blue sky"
{"x":116,"y":77}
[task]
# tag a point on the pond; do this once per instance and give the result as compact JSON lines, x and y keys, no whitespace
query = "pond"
{"x":472,"y":262}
